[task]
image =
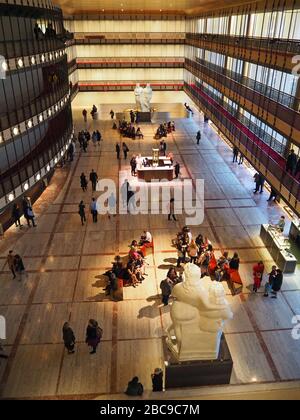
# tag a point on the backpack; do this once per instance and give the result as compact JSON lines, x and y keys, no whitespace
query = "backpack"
{"x":99,"y":332}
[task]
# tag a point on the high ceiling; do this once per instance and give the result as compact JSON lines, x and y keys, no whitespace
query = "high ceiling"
{"x":148,"y":6}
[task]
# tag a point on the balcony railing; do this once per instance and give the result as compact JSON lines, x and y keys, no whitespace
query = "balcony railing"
{"x":268,"y":91}
{"x":26,"y":47}
{"x":274,"y":44}
{"x":272,"y":161}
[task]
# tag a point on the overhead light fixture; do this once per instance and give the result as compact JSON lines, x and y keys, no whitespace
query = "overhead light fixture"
{"x":56,"y":108}
{"x":48,"y":168}
{"x":38,"y":177}
{"x":29,"y":124}
{"x":11,"y":197}
{"x":32,"y":60}
{"x":26,"y":186}
{"x":20,"y":62}
{"x":40,"y":118}
{"x":55,"y":160}
{"x":43,"y":58}
{"x":16,"y":131}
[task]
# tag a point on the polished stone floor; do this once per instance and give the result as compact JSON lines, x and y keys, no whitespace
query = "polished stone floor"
{"x":65,"y":263}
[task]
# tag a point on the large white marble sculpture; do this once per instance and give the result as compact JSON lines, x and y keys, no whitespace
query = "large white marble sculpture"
{"x":147,"y":97}
{"x":198,"y":315}
{"x":138,"y":92}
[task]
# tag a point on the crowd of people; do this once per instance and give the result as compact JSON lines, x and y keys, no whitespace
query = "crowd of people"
{"x":164,"y":129}
{"x":132,"y":269}
{"x":128,"y":130}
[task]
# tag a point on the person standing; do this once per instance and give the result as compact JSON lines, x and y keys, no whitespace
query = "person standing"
{"x":93,"y":179}
{"x":81,"y":212}
{"x":94,"y":210}
{"x":25,"y":205}
{"x":198,"y":137}
{"x":235,"y":154}
{"x":112,"y":114}
{"x":94,"y":335}
{"x":166,"y":291}
{"x":193,"y":251}
{"x":98,"y":137}
{"x":83,"y":182}
{"x":118,"y":150}
{"x":10,"y":259}
{"x":172,"y":210}
{"x":132,"y":117}
{"x":16,"y":215}
{"x":257,"y":181}
{"x":68,"y":338}
{"x":157,"y":380}
{"x":258,"y":272}
{"x":241,"y":159}
{"x":133,"y":166}
{"x":19,"y":266}
{"x":84,"y":114}
{"x":269,"y":284}
{"x":177,"y":170}
{"x":125,"y":150}
{"x":291,"y":163}
{"x":261,"y":183}
{"x":30,"y":217}
{"x":277,"y":283}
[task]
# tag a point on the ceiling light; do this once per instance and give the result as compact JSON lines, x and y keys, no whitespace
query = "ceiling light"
{"x":11,"y":197}
{"x":43,"y":58}
{"x":20,"y":62}
{"x":48,"y":168}
{"x":40,"y":118}
{"x":38,"y":177}
{"x":15,"y":131}
{"x":29,"y":124}
{"x":26,"y":186}
{"x":55,"y":160}
{"x":32,"y":60}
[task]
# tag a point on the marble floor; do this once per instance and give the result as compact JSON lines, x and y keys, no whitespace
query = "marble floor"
{"x":65,"y":263}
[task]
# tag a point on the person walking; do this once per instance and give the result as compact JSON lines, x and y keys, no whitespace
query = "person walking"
{"x":16,"y":215}
{"x":19,"y":267}
{"x":198,"y":137}
{"x":98,"y":137}
{"x":10,"y":259}
{"x":241,"y":158}
{"x":134,"y":388}
{"x":172,"y":210}
{"x":94,"y":210}
{"x":277,"y":283}
{"x":118,"y":150}
{"x":261,"y":183}
{"x":258,"y":272}
{"x":112,"y":114}
{"x":94,"y":335}
{"x":25,"y":205}
{"x":177,"y":170}
{"x":84,"y":114}
{"x":157,"y":380}
{"x":125,"y":150}
{"x":30,"y":217}
{"x":93,"y":179}
{"x":81,"y":212}
{"x":83,"y":182}
{"x":68,"y":338}
{"x":235,"y":154}
{"x":166,"y":291}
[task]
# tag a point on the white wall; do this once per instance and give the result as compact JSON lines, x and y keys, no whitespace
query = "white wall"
{"x":130,"y":74}
{"x":94,"y":51}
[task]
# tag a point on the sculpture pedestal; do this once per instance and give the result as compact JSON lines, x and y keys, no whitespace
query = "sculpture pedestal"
{"x":199,"y":373}
{"x":144,"y":117}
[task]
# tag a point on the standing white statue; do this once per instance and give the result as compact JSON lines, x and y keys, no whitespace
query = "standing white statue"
{"x":198,"y":315}
{"x":147,"y":97}
{"x":138,"y":91}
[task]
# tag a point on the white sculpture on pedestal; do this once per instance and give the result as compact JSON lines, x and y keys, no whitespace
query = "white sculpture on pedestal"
{"x":198,"y":315}
{"x":147,"y":97}
{"x":138,"y":91}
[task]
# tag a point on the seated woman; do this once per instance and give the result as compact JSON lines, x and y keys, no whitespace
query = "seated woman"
{"x":222,"y":267}
{"x":139,"y":133}
{"x":132,"y":274}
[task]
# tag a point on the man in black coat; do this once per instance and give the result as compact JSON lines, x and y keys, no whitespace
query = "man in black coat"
{"x":93,"y":179}
{"x":198,"y":137}
{"x":291,"y":163}
{"x":277,"y":283}
{"x":118,"y":149}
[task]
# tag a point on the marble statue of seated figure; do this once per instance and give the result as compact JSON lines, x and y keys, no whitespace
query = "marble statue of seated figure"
{"x":198,"y":315}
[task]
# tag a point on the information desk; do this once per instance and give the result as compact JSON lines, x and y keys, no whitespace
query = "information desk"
{"x":164,"y":170}
{"x":277,"y":245}
{"x":295,"y":233}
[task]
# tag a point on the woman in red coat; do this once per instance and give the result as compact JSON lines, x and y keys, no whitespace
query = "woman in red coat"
{"x":258,"y":272}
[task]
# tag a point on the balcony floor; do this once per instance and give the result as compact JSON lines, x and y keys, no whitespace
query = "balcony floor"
{"x":65,"y":261}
